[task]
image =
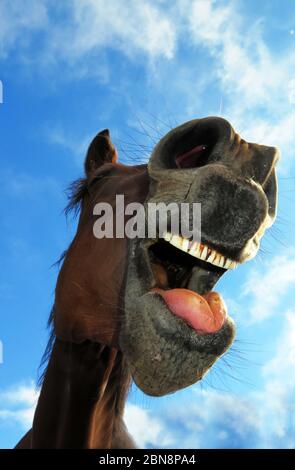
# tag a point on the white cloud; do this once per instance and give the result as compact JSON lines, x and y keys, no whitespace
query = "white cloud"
{"x":284,"y":359}
{"x":145,"y":428}
{"x":208,"y":419}
{"x":248,"y":71}
{"x":291,"y":91}
{"x":18,"y":20}
{"x":265,"y":289}
{"x":244,"y":63}
{"x":18,"y":404}
{"x":256,"y":83}
{"x":277,"y":399}
{"x":91,"y":25}
{"x":226,"y":409}
{"x":22,"y":394}
{"x":132,"y":27}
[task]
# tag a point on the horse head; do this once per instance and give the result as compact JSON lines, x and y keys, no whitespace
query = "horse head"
{"x":152,"y":298}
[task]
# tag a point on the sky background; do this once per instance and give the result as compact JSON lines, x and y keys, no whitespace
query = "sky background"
{"x":70,"y":69}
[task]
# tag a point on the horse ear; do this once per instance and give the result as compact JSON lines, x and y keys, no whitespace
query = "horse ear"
{"x":100,"y":151}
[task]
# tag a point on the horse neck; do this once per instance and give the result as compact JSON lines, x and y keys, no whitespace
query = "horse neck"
{"x":82,"y":398}
{"x":108,"y":429}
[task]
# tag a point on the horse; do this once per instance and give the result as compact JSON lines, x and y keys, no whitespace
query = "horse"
{"x":143,"y":309}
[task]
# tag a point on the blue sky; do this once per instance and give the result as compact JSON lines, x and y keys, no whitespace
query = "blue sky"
{"x":71,"y":70}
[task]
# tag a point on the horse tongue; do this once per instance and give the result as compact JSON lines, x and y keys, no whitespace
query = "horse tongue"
{"x":205,"y":314}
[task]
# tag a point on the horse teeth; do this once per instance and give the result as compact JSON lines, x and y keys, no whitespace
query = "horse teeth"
{"x":227,"y":264}
{"x":185,"y":244}
{"x":217,"y":259}
{"x":204,"y":253}
{"x":193,"y":246}
{"x":176,"y":241}
{"x":211,"y":257}
{"x":167,"y":236}
{"x":198,"y":250}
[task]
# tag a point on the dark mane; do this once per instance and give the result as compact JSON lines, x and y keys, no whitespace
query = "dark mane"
{"x":75,"y":195}
{"x":46,"y":355}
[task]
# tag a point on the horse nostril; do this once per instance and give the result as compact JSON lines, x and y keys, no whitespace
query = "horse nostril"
{"x":191,"y":145}
{"x":196,"y":157}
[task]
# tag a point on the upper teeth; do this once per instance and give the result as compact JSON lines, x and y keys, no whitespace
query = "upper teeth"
{"x":198,"y":250}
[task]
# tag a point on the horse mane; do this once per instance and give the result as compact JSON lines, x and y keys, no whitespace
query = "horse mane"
{"x":76,"y":192}
{"x":46,"y":355}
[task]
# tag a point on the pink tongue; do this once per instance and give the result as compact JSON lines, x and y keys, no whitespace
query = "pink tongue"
{"x":205,"y":314}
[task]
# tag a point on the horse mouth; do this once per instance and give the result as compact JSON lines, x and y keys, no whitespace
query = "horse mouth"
{"x":175,"y":327}
{"x":184,"y":275}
